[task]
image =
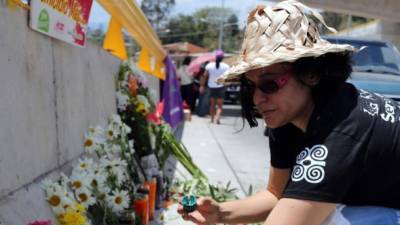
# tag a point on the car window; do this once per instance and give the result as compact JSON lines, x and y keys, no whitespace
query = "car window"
{"x":378,"y":57}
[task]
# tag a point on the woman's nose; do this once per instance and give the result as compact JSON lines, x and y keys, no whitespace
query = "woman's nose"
{"x":259,"y":96}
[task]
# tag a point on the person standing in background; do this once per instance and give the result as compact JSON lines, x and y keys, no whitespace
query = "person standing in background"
{"x":217,"y":91}
{"x":202,"y":107}
{"x":186,"y":81}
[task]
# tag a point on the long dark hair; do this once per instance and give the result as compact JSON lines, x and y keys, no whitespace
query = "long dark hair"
{"x":187,"y":60}
{"x":333,"y":69}
{"x":218,"y":60}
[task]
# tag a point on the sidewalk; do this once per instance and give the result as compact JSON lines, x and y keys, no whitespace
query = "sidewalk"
{"x":224,"y":154}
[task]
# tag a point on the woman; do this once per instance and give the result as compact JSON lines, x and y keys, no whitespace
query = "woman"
{"x":186,"y":81}
{"x":335,"y":150}
{"x":217,"y":91}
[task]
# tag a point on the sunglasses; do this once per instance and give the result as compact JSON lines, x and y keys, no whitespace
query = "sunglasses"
{"x":269,"y":86}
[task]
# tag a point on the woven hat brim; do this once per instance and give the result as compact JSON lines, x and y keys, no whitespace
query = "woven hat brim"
{"x":233,"y":74}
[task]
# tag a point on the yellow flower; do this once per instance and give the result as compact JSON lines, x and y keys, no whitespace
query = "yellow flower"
{"x":141,"y":108}
{"x":72,"y":217}
{"x":79,"y":208}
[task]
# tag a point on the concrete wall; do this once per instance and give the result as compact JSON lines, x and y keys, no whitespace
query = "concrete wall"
{"x":50,"y":92}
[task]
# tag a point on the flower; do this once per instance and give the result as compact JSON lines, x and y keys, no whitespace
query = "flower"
{"x":97,"y":180}
{"x":116,"y":167}
{"x":72,"y":217}
{"x":57,"y":196}
{"x":96,"y":131}
{"x":143,"y":99}
{"x":85,"y":165}
{"x":118,"y":201}
{"x":133,"y":85}
{"x":93,"y":143}
{"x":112,"y":132}
{"x":85,"y":197}
{"x":115,"y":119}
{"x":113,"y":149}
{"x":40,"y":222}
{"x":122,"y":100}
{"x":79,"y":180}
{"x":125,"y":129}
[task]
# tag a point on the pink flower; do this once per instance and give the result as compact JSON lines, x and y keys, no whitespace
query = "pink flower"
{"x":41,"y":222}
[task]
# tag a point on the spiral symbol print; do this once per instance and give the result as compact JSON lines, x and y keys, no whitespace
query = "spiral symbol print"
{"x":298,"y":173}
{"x":310,"y":164}
{"x":319,"y":152}
{"x":315,"y":174}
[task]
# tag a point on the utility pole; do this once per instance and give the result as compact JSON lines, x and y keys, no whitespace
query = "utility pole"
{"x":221,"y":26}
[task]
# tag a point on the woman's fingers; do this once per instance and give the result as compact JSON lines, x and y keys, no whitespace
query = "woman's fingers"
{"x":196,"y":217}
{"x":180,"y":209}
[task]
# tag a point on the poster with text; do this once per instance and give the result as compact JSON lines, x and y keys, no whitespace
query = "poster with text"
{"x":62,"y":19}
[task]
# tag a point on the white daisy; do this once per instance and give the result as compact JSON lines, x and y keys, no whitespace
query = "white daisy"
{"x":115,"y":119}
{"x":56,"y":196}
{"x":93,"y":144}
{"x":116,"y":167}
{"x":97,"y":180}
{"x":84,"y":197}
{"x":118,"y":201}
{"x":125,"y":129}
{"x":96,"y":131}
{"x":113,"y":150}
{"x":122,"y":100}
{"x":112,"y":132}
{"x":85,"y":165}
{"x":79,"y":180}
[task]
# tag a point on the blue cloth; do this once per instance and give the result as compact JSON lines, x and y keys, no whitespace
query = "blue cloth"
{"x":364,"y":215}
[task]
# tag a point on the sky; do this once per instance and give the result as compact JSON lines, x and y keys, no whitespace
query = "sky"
{"x":99,"y":17}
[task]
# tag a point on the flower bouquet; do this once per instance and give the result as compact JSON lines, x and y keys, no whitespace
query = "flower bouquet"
{"x":101,"y":186}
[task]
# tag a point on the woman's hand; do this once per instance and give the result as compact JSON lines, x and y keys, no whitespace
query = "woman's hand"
{"x":201,"y":89}
{"x":206,"y":213}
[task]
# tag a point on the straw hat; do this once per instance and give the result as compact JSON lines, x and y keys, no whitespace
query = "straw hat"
{"x":282,"y":33}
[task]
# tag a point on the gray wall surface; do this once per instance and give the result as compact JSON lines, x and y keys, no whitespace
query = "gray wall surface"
{"x":50,"y":92}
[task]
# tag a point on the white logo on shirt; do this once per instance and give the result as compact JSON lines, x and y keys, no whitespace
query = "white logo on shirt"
{"x":310,"y":164}
{"x":389,"y":110}
{"x":389,"y":114}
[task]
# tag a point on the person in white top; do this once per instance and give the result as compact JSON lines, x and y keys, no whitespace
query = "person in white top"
{"x":217,"y":91}
{"x":186,"y":81}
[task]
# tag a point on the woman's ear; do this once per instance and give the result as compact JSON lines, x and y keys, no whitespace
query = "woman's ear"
{"x":312,"y":79}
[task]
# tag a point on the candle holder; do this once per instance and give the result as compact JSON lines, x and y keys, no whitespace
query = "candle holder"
{"x":189,"y":203}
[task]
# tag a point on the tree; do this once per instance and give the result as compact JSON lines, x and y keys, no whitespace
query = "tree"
{"x":181,"y":28}
{"x":339,"y":21}
{"x":157,"y":11}
{"x":202,"y":28}
{"x":96,"y":36}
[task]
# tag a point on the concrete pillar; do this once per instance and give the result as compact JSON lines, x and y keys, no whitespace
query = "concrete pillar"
{"x":390,"y":31}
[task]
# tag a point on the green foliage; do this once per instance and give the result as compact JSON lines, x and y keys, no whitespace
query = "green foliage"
{"x":201,"y":187}
{"x":157,"y":11}
{"x":202,"y":28}
{"x":340,"y":21}
{"x":95,"y":36}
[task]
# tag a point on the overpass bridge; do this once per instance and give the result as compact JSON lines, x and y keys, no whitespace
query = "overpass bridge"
{"x":387,"y":11}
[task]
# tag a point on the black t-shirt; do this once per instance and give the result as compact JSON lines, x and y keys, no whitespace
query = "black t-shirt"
{"x":349,"y":154}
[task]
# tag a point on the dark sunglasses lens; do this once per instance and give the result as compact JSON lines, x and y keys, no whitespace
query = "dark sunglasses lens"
{"x":269,"y":87}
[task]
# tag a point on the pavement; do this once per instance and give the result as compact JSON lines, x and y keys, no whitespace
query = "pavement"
{"x":224,"y":153}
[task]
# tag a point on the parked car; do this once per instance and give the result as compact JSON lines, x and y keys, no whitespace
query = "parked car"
{"x":376,"y":68}
{"x":232,"y":92}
